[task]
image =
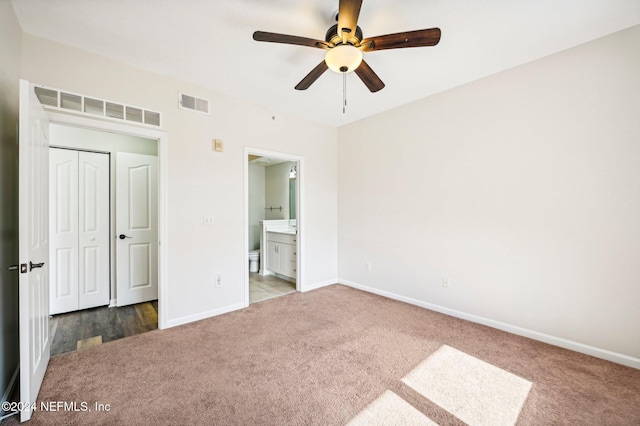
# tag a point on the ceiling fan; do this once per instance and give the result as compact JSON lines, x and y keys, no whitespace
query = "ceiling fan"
{"x":344,"y":44}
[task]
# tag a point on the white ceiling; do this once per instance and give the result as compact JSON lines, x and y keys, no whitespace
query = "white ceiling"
{"x":209,"y":42}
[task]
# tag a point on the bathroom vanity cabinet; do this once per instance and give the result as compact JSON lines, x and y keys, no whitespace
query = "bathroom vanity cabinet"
{"x":281,"y":253}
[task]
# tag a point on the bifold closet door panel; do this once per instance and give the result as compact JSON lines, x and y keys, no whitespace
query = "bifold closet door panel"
{"x":79,"y":223}
{"x":63,"y":225}
{"x":93,"y":223}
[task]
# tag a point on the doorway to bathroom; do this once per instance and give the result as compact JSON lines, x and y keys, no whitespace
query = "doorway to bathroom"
{"x":273,"y":227}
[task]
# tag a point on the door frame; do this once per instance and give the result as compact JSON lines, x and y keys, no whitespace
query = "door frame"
{"x":162,"y":139}
{"x":299,"y":213}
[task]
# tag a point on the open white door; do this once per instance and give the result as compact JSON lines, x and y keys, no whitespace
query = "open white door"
{"x":35,"y":342}
{"x":137,"y":228}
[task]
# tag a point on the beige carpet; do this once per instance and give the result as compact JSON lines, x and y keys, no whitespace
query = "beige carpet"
{"x":333,"y":356}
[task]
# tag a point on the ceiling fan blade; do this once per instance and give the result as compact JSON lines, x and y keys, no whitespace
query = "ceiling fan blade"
{"x":289,"y":39}
{"x":368,"y":77}
{"x":348,"y":12}
{"x":418,"y":38}
{"x":312,"y":76}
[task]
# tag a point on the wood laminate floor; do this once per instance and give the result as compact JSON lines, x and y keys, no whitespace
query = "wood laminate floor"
{"x":263,"y":287}
{"x":75,"y":331}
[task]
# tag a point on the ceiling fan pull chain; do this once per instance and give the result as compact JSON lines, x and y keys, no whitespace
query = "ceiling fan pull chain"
{"x":344,"y":92}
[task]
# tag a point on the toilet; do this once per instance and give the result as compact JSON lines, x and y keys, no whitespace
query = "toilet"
{"x":254,"y":260}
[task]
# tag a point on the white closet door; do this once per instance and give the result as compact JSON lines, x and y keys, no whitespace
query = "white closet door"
{"x":63,"y":201}
{"x":79,"y":223}
{"x":93,"y":224}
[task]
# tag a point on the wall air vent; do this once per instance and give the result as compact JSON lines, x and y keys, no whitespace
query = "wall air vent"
{"x":115,"y":111}
{"x":134,"y":114}
{"x":93,"y":106}
{"x":192,"y":103}
{"x":61,"y":100}
{"x":47,"y":97}
{"x":152,"y":118}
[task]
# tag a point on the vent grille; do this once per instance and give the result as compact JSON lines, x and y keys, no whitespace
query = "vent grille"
{"x":115,"y":111}
{"x":134,"y":114}
{"x":47,"y":96}
{"x":80,"y":104}
{"x":152,"y":118}
{"x":93,"y":106}
{"x":69,"y":101}
{"x":193,"y":103}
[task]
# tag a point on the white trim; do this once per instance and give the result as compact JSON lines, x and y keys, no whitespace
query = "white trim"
{"x":113,"y":303}
{"x":300,"y":218}
{"x":163,"y":158}
{"x":204,"y":315}
{"x":535,"y":335}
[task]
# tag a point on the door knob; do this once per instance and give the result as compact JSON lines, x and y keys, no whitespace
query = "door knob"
{"x":33,"y":266}
{"x":122,"y":236}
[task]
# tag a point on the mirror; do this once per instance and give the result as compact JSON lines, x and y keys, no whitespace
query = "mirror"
{"x":292,"y":197}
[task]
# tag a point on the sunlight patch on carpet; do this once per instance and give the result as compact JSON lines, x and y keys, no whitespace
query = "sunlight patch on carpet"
{"x":474,"y":391}
{"x":88,"y":343}
{"x":388,"y":410}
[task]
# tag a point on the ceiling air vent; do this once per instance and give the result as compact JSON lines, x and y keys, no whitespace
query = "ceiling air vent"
{"x":192,"y":103}
{"x":83,"y":105}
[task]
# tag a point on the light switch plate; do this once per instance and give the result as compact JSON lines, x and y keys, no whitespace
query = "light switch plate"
{"x":218,"y":145}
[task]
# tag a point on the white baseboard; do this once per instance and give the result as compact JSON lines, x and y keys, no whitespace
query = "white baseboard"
{"x":203,"y":315}
{"x":226,"y":309}
{"x":310,"y":287}
{"x":542,"y":337}
{"x":113,"y":303}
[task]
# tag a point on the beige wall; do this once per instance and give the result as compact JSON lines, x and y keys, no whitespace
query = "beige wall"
{"x":10,"y":41}
{"x":522,"y":188}
{"x":203,"y":182}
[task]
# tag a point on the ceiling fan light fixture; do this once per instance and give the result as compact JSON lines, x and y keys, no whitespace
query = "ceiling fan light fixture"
{"x":343,"y":58}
